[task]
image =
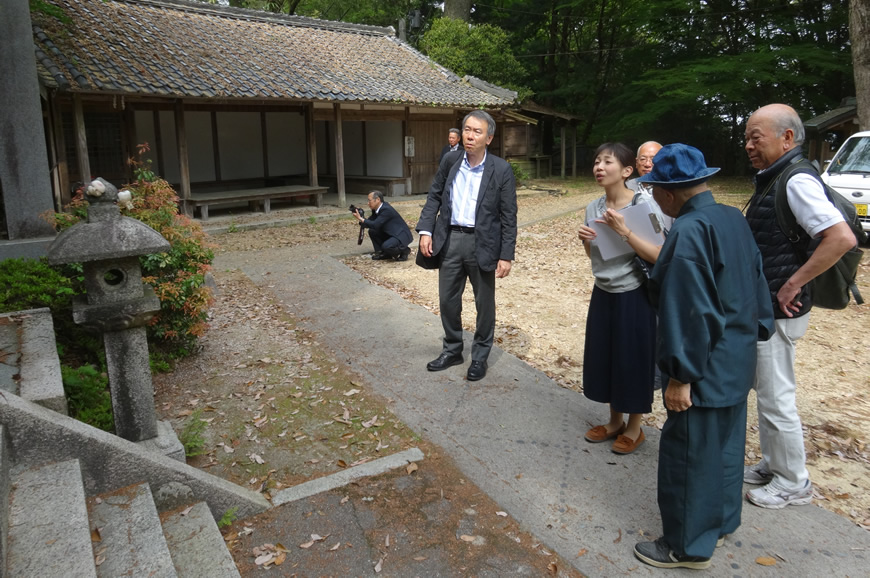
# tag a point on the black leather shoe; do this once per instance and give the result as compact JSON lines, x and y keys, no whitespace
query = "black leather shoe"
{"x":660,"y":555}
{"x":444,"y":361}
{"x":380,"y":256}
{"x":403,"y":256}
{"x":477,"y":370}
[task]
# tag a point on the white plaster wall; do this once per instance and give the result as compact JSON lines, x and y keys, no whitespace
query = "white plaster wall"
{"x":385,"y":148}
{"x":240,"y":143}
{"x":352,"y":137}
{"x":287,"y":146}
{"x":170,"y":171}
{"x":200,"y":146}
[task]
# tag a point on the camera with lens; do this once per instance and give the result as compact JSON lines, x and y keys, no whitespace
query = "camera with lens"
{"x":357,"y":210}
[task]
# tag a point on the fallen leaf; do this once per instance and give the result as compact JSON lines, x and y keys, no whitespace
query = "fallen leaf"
{"x":466,"y":538}
{"x":553,"y":568}
{"x":765,"y":561}
{"x":581,"y":553}
{"x":99,"y":560}
{"x":307,"y":545}
{"x":419,"y":558}
{"x":341,"y":463}
{"x":95,"y":535}
{"x":411,"y":468}
{"x":279,"y":559}
{"x":502,"y":514}
{"x":351,"y":392}
{"x":344,"y":500}
{"x":186,"y":511}
{"x":260,"y":560}
{"x":334,"y":548}
{"x":256,"y":458}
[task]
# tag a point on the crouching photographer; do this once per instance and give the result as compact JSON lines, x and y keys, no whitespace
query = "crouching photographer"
{"x":388,"y":231}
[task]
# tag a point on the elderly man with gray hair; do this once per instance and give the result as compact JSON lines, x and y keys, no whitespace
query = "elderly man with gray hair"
{"x":774,"y":134}
{"x":643,"y":163}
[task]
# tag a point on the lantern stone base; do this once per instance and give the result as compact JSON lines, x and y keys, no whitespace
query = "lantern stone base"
{"x":166,"y":443}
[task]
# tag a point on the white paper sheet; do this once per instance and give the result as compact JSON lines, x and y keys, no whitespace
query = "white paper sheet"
{"x":640,"y":219}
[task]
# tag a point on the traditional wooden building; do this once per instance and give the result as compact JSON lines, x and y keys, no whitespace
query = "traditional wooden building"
{"x":826,"y":132}
{"x":233,"y":100}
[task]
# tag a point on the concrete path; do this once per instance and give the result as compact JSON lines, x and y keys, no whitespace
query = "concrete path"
{"x":518,"y":435}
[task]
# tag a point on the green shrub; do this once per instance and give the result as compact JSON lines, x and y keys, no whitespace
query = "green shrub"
{"x":520,"y":176}
{"x":31,"y":283}
{"x":177,"y":276}
{"x":87,"y":392}
{"x":191,"y":435}
{"x":228,"y":518}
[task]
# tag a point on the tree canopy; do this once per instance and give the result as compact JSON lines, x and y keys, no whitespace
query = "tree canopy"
{"x":672,"y":70}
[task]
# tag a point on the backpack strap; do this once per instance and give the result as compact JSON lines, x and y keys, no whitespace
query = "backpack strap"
{"x":784,"y":216}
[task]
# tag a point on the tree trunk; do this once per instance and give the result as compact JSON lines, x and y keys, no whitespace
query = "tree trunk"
{"x":859,"y":31}
{"x":458,"y":9}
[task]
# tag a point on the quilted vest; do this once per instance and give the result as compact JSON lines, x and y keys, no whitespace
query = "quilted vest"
{"x":778,"y":254}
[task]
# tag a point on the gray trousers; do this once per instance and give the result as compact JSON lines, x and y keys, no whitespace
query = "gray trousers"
{"x":460,"y":264}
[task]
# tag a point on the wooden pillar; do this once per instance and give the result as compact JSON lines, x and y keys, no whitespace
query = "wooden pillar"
{"x":215,"y":147}
{"x":574,"y":157}
{"x":365,"y":151}
{"x":157,"y":145}
{"x":58,"y":143}
{"x":563,"y":132}
{"x":339,"y":156}
{"x":406,"y":165}
{"x":84,"y":164}
{"x":311,"y":139}
{"x":265,"y":140}
{"x":183,"y":164}
{"x":130,"y":143}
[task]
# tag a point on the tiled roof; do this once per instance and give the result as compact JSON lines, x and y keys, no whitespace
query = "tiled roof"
{"x":182,"y":48}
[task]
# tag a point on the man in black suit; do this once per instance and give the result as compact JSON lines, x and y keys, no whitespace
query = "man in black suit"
{"x":470,"y":222}
{"x":388,"y":231}
{"x":454,"y":143}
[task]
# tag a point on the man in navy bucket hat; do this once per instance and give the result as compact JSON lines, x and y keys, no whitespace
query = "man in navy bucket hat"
{"x":711,"y":296}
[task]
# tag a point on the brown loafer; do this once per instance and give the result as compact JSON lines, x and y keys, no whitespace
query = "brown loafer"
{"x":626,"y":445}
{"x":599,"y":434}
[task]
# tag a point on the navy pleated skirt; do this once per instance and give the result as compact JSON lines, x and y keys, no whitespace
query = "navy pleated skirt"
{"x":619,"y":355}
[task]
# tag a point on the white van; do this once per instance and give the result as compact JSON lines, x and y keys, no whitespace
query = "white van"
{"x":848,"y":173}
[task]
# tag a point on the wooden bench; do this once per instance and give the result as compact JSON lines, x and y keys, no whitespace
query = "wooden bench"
{"x":254,"y":197}
{"x":360,"y":185}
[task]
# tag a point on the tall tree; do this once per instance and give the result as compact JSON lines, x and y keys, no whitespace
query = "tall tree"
{"x":859,"y":28}
{"x":457,"y":9}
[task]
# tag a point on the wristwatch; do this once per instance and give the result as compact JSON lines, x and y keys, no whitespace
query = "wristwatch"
{"x":625,"y":237}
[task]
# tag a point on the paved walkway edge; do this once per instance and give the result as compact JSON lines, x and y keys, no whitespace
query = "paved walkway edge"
{"x":344,"y":477}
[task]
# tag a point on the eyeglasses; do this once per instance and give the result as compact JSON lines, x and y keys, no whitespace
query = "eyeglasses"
{"x":644,"y":159}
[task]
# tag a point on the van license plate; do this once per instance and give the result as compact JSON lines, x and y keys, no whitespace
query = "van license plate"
{"x":861,"y":210}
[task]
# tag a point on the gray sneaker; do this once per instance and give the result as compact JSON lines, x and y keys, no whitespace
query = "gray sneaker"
{"x":774,"y":499}
{"x":757,"y":474}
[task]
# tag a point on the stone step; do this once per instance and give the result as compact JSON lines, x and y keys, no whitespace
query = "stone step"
{"x":196,"y":544}
{"x":127,"y":535}
{"x":40,"y":377}
{"x":5,"y":468}
{"x":48,"y":524}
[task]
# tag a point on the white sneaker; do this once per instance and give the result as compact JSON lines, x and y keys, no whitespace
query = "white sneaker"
{"x":757,"y":474}
{"x":774,"y":499}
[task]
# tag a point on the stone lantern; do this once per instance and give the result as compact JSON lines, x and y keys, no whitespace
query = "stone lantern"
{"x":119,"y":305}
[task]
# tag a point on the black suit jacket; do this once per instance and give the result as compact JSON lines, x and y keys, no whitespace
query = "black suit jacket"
{"x":389,"y":222}
{"x":446,"y":150}
{"x":495,"y":221}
